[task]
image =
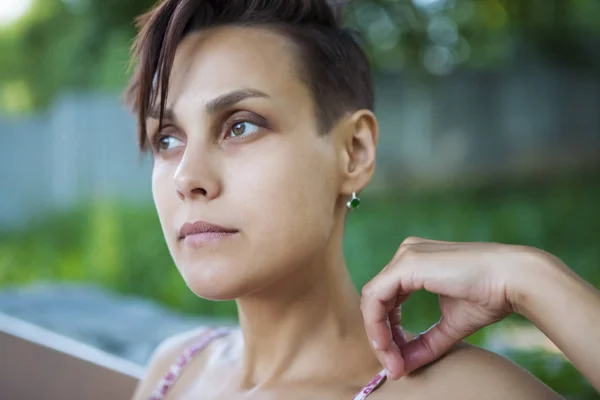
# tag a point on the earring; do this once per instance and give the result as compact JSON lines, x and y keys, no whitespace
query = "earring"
{"x":354,"y":202}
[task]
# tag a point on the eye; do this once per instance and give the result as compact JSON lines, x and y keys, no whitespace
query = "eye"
{"x":242,"y":128}
{"x":167,"y":142}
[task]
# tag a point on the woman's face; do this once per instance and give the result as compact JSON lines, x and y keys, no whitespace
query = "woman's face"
{"x":240,"y":149}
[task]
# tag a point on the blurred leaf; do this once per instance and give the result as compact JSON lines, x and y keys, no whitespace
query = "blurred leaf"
{"x":84,"y":43}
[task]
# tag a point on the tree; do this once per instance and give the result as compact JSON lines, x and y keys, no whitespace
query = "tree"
{"x":83,"y":44}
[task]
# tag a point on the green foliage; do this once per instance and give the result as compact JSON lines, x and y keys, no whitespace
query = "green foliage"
{"x":77,"y":45}
{"x":121,"y":246}
{"x":553,"y":369}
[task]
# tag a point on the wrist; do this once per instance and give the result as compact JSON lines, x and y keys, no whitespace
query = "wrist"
{"x":535,"y":281}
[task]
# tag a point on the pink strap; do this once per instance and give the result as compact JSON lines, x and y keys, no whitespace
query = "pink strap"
{"x":374,"y":384}
{"x":188,"y":355}
{"x":171,"y":376}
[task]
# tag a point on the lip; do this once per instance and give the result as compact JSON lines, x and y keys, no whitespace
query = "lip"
{"x":201,"y":232}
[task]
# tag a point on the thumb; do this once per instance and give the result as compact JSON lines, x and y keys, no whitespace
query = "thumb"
{"x":430,"y":345}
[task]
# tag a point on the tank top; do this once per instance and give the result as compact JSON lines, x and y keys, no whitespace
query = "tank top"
{"x":169,"y":379}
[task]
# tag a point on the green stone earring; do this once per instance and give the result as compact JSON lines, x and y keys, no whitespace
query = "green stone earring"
{"x":354,"y":202}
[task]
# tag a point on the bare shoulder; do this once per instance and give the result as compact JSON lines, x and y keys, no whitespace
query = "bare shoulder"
{"x":163,"y":357}
{"x":469,"y":372}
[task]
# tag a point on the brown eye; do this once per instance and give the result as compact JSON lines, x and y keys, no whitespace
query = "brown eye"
{"x":243,"y":128}
{"x":238,"y":129}
{"x":166,"y":142}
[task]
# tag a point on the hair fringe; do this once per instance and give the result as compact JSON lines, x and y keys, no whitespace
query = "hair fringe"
{"x":163,"y":28}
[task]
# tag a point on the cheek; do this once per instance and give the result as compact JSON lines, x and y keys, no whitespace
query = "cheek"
{"x":164,"y":195}
{"x":290,"y":195}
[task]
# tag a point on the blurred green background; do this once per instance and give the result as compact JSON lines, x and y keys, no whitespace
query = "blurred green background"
{"x":63,"y":218}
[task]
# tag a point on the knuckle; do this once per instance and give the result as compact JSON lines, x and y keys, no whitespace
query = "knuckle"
{"x":408,"y":245}
{"x":408,"y":253}
{"x":367,"y":290}
{"x":411,"y":240}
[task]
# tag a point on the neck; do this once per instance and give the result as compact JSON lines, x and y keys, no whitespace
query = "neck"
{"x":300,"y":329}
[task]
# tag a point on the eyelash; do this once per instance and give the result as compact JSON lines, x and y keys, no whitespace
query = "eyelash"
{"x":156,"y":138}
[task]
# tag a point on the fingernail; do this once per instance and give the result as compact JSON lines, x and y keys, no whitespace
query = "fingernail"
{"x":375,"y":345}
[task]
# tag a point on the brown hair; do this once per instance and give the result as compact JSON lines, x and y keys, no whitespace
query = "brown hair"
{"x":331,"y":62}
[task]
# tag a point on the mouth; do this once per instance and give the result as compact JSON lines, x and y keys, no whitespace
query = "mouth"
{"x":200,"y":232}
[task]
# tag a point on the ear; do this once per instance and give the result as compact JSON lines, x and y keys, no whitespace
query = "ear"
{"x":360,"y":134}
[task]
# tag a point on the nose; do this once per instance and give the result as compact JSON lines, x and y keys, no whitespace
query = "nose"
{"x":195,"y":177}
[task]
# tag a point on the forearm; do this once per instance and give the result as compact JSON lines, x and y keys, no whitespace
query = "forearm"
{"x":567,"y":310}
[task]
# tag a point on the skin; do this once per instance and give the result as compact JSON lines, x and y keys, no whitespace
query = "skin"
{"x":479,"y":284}
{"x":283,"y":187}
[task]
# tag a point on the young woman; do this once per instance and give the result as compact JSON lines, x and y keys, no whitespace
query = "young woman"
{"x":259,"y":117}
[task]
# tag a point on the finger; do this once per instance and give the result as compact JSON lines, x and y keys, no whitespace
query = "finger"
{"x":378,"y":300}
{"x":409,"y":273}
{"x":382,"y":316}
{"x":438,"y":268}
{"x":380,"y":296}
{"x":389,"y":355}
{"x":430,"y":345}
{"x":398,"y":335}
{"x":392,"y":360}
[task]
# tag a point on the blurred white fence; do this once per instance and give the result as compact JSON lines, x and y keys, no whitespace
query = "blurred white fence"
{"x":84,"y":147}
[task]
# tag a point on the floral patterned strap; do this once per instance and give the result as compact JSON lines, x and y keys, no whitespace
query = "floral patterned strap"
{"x":374,"y":384}
{"x":169,"y":379}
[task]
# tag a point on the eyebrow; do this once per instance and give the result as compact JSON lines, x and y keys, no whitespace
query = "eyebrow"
{"x":215,"y":105}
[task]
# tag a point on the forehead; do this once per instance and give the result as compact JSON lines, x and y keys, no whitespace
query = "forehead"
{"x":215,"y":61}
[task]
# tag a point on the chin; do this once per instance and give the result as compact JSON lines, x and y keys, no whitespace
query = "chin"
{"x":213,"y":293}
{"x":226,"y":274}
{"x":217,"y":282}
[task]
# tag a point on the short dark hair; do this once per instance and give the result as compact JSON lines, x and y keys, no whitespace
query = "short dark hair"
{"x":330,"y":60}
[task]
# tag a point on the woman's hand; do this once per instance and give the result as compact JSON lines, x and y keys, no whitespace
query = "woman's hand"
{"x":479,"y":284}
